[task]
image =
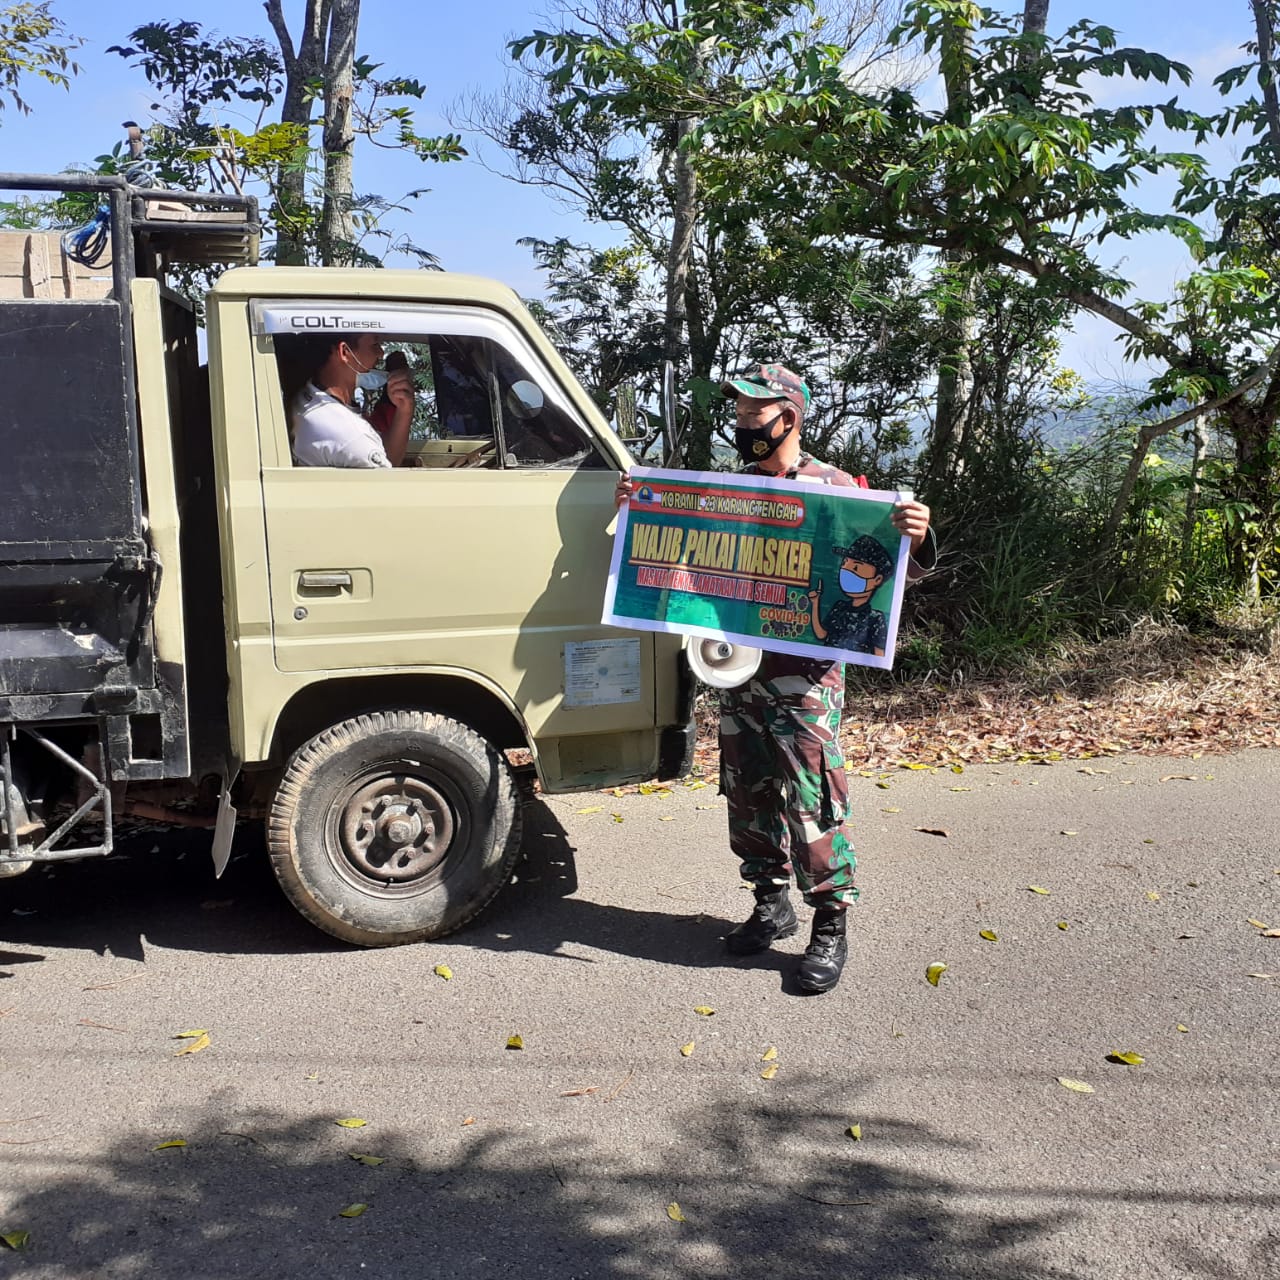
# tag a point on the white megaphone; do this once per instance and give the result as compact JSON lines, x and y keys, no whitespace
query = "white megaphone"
{"x":721,"y":663}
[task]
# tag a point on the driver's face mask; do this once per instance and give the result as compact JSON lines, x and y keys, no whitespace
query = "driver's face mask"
{"x":370,"y":379}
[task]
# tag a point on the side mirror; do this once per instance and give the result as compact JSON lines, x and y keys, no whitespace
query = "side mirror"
{"x":525,"y":399}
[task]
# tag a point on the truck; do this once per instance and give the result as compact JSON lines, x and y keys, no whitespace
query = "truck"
{"x":375,"y":663}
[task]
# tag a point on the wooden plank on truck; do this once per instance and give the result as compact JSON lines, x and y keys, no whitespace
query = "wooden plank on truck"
{"x":33,"y":265}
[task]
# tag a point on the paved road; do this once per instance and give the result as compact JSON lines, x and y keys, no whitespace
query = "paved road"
{"x":560,"y":1160}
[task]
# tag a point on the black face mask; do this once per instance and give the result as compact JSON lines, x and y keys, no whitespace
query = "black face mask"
{"x":755,"y":444}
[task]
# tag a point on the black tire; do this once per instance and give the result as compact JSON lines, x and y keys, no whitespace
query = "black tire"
{"x":394,"y":827}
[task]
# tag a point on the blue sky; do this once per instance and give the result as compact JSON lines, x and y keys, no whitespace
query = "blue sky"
{"x":472,"y":218}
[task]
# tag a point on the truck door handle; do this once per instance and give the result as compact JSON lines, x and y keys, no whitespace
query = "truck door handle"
{"x":324,"y":579}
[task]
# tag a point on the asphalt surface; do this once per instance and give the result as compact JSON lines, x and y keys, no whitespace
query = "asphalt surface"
{"x":561,"y":1159}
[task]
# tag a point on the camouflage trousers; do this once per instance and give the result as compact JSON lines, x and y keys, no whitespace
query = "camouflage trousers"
{"x":782,"y":774}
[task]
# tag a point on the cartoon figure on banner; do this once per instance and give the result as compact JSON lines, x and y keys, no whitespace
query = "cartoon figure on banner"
{"x":852,"y":623}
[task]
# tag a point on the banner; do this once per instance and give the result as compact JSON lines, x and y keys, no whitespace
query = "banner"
{"x":792,"y":566}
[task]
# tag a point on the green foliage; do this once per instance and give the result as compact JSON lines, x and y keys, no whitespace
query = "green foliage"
{"x":33,"y":43}
{"x":201,"y":79}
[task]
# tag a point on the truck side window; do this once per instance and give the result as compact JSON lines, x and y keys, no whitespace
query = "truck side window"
{"x":481,"y":398}
{"x":479,"y":383}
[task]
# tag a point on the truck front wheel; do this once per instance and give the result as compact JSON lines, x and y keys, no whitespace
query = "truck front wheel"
{"x":392,"y":827}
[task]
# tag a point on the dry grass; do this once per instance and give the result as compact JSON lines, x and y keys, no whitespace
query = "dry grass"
{"x":1157,"y":689}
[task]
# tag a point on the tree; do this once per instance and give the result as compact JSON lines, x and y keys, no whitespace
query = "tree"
{"x":719,"y":237}
{"x":33,"y":43}
{"x":1034,"y":178}
{"x":311,"y":201}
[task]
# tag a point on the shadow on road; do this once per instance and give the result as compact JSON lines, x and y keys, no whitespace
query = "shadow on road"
{"x":159,"y":890}
{"x":254,"y":1195}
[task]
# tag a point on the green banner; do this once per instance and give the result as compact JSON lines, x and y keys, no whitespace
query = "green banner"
{"x":792,"y":566}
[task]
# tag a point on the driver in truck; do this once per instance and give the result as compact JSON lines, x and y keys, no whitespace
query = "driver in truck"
{"x":327,"y":431}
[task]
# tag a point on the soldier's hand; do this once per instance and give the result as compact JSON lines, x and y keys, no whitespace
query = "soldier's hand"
{"x":622,"y":494}
{"x":911,"y":519}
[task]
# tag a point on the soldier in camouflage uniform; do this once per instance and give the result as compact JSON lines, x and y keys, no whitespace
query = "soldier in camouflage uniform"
{"x":782,"y":767}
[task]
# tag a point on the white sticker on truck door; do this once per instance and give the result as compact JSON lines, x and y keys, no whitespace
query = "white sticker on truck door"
{"x":598,"y":672}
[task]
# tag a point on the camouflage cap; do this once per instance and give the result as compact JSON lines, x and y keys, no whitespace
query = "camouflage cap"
{"x":769,"y":382}
{"x":868,"y":550}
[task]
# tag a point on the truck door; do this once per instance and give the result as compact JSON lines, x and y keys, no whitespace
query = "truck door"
{"x":486,"y":553}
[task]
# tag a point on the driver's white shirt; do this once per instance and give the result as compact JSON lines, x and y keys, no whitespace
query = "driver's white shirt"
{"x":326,"y":433}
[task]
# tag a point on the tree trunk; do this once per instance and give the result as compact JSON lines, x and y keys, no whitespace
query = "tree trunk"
{"x":1035,"y":14}
{"x":955,"y":370}
{"x":302,"y":66}
{"x":1267,"y":71}
{"x":1200,"y":445}
{"x":684,"y":219}
{"x":337,"y":226}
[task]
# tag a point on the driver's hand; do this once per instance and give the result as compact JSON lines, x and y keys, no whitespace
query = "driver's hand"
{"x":400,"y":389}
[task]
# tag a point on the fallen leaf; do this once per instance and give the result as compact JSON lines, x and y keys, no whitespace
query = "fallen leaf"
{"x":1260,"y":975}
{"x":190,"y":1035}
{"x":934,"y":972}
{"x":769,"y":1072}
{"x":769,"y":1055}
{"x":988,"y":934}
{"x":695,"y":786}
{"x":1128,"y":1058}
{"x":666,"y":818}
{"x":674,"y":1213}
{"x":352,"y":1211}
{"x":595,"y":808}
{"x":1036,"y":888}
{"x":890,"y":810}
{"x":961,"y":788}
{"x":957,"y":768}
{"x":581,"y":1093}
{"x":704,"y":1009}
{"x":1178,"y":777}
{"x":315,"y":1075}
{"x":372,"y":1161}
{"x":468,"y":1120}
{"x":1257,"y":924}
{"x":1070,"y":833}
{"x":884,"y":786}
{"x":855,"y":1132}
{"x":1271,"y":933}
{"x":16,"y":1239}
{"x":916,"y":766}
{"x":515,"y":1041}
{"x":1076,"y":1086}
{"x":352,"y":1122}
{"x":173,"y":1142}
{"x":934,"y":831}
{"x":443,"y":971}
{"x":1063,"y":925}
{"x":200,"y":1042}
{"x":686,"y":1049}
{"x":702,"y":808}
{"x":617,"y":817}
{"x":1152,"y":896}
{"x":1180,"y":1027}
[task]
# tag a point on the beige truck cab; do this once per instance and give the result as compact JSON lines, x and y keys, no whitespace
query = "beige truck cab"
{"x":395,"y":631}
{"x":367,"y":658}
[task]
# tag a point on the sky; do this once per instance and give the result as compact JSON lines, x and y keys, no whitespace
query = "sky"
{"x":472,"y":218}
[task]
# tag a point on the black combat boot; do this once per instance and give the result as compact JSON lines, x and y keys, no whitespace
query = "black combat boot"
{"x":773,"y":918}
{"x":823,"y":960}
